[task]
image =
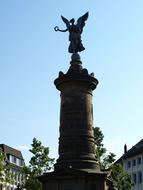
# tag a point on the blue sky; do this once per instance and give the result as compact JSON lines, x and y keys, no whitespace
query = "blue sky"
{"x":32,"y":54}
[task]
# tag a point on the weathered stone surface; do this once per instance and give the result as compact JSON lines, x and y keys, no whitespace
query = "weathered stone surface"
{"x":76,"y":142}
{"x":77,"y":167}
{"x":71,"y":179}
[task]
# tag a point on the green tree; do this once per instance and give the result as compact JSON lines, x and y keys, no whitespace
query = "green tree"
{"x":105,"y":160}
{"x":6,"y":175}
{"x":121,"y":179}
{"x":39,"y":163}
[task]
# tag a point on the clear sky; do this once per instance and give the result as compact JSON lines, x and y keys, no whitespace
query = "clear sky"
{"x":32,"y":54}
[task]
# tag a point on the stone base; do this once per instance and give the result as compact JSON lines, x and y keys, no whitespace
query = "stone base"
{"x":72,"y":179}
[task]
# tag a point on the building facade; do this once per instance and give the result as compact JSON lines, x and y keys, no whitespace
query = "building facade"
{"x":15,"y":159}
{"x":132,"y":161}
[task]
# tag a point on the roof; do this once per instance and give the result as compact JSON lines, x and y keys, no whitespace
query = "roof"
{"x":11,"y":151}
{"x":134,"y":151}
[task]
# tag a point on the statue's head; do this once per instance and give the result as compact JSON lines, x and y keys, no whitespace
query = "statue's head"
{"x":72,"y":21}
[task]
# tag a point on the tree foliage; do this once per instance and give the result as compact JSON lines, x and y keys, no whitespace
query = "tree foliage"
{"x":121,"y":179}
{"x":6,"y":175}
{"x":39,"y":163}
{"x":105,"y":160}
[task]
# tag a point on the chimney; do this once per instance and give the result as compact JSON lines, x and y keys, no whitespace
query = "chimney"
{"x":125,"y":149}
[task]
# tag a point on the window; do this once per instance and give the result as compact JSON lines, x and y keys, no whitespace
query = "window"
{"x":139,"y":177}
{"x":20,"y":162}
{"x":128,"y":164}
{"x":14,"y":160}
{"x":134,"y":178}
{"x":10,"y":158}
{"x":139,"y":160}
{"x":134,"y":162}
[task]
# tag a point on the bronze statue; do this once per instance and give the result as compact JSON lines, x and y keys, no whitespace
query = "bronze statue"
{"x":75,"y":31}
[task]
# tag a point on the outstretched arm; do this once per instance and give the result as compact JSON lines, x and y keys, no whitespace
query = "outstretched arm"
{"x":57,"y":29}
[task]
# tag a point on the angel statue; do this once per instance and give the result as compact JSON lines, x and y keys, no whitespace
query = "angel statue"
{"x":75,"y":31}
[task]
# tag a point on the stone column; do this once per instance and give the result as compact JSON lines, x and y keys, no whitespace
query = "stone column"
{"x":76,"y":141}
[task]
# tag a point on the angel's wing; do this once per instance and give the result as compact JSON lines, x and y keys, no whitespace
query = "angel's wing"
{"x":66,"y":21}
{"x":81,"y":21}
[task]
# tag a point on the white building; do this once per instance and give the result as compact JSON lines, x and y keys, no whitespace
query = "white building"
{"x":16,"y":161}
{"x":132,"y":161}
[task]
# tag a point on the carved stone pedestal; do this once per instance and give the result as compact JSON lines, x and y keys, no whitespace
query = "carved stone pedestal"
{"x":72,"y":179}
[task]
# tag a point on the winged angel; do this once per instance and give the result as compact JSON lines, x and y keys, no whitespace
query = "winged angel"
{"x":75,"y":31}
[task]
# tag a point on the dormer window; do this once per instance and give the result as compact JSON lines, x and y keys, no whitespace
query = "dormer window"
{"x":14,"y":159}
